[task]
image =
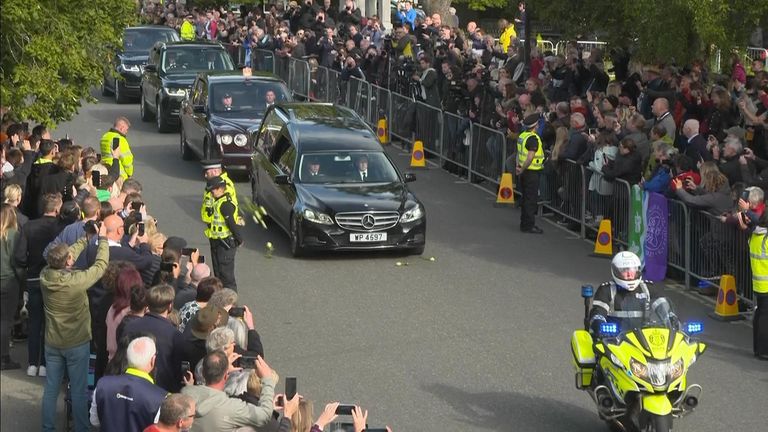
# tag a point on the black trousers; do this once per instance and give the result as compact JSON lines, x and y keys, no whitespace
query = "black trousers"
{"x":529,"y":186}
{"x":760,"y":325}
{"x":9,"y":299}
{"x":223,"y":260}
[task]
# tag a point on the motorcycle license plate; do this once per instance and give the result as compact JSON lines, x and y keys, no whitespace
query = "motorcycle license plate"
{"x":368,"y":237}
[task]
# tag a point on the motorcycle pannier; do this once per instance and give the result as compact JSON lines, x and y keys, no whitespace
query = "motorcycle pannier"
{"x":583,"y":358}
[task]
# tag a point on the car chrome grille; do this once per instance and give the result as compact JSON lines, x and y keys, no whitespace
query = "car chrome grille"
{"x":367,"y":221}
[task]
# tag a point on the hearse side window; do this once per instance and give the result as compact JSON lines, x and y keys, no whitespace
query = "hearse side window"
{"x":269,"y":131}
{"x":288,"y":160}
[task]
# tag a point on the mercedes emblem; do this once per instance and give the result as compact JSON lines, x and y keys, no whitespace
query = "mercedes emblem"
{"x":368,"y":221}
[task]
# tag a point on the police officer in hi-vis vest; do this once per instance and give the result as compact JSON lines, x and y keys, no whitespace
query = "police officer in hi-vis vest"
{"x":530,"y":162}
{"x":212,"y":168}
{"x":758,"y":256}
{"x":223,"y":232}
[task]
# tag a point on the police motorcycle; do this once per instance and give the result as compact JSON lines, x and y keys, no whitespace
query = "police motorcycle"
{"x":635,"y":369}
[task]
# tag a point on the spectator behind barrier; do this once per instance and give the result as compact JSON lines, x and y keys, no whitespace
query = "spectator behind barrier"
{"x":713,"y":195}
{"x":205,"y":290}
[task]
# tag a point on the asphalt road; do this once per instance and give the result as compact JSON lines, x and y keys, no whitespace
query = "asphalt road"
{"x":477,"y":340}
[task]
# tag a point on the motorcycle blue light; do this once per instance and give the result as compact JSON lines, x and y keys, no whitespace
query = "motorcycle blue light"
{"x":587,"y":291}
{"x":609,"y":329}
{"x":694,"y":327}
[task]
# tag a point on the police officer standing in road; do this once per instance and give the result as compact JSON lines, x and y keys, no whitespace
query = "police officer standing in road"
{"x":211,"y":169}
{"x":530,"y":162}
{"x":758,"y":253}
{"x":118,"y":134}
{"x":223,"y":232}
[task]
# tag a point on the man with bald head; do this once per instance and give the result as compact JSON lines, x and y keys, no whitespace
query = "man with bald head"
{"x":662,"y":116}
{"x":115,"y":138}
{"x":129,"y":401}
{"x":187,"y":294}
{"x":696,"y":147}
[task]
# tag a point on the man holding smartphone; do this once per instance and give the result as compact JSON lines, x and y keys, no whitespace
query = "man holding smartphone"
{"x":115,"y":139}
{"x":223,"y":232}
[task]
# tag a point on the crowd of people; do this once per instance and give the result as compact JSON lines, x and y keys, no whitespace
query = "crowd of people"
{"x":85,"y":271}
{"x":88,"y":265}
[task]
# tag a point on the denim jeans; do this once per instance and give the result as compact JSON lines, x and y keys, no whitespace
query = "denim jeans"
{"x":36,"y":327}
{"x":74,"y":362}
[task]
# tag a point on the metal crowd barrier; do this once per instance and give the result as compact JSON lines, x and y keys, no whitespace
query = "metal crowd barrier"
{"x":236,"y":52}
{"x":699,"y":245}
{"x":429,"y":128}
{"x":758,"y":53}
{"x":298,"y":78}
{"x":282,"y":68}
{"x":263,"y":60}
{"x":489,"y":150}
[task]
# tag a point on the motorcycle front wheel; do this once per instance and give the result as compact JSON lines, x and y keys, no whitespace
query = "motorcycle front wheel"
{"x":657,"y":423}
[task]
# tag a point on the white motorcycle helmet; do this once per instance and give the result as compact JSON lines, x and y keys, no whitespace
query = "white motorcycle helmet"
{"x":626,"y":269}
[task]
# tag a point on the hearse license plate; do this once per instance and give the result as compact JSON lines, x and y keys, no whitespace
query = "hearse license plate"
{"x":368,"y":237}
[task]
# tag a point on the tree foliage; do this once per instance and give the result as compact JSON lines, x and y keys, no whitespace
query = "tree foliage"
{"x":54,"y":52}
{"x":656,"y":31}
{"x":482,"y":5}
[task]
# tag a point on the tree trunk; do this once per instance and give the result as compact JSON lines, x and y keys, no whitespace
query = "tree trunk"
{"x":437,"y":7}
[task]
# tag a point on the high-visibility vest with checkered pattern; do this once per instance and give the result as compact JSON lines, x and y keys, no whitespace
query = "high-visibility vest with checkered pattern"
{"x":217,"y":228}
{"x":522,"y":153}
{"x":758,"y":258}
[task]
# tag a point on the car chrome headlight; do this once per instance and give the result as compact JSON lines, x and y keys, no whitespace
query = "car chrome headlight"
{"x":241,"y":140}
{"x":317,"y":217}
{"x":411,"y":215}
{"x":224,"y":139}
{"x":176,"y":92}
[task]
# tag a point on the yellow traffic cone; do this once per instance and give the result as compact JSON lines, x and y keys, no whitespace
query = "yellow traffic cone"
{"x":727,"y":306}
{"x":604,"y":240}
{"x":417,"y":155}
{"x":381,"y":130}
{"x":506,"y":193}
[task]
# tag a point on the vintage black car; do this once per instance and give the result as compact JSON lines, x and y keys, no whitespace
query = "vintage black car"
{"x":169,"y":74}
{"x":323,"y":177}
{"x":123,"y":76}
{"x":220,"y":109}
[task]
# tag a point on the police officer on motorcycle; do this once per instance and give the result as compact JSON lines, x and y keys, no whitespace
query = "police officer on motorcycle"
{"x":626,"y":300}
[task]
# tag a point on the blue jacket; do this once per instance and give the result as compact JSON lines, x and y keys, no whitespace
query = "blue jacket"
{"x":659,"y":181}
{"x":127,"y":402}
{"x":409,"y":17}
{"x":70,"y":235}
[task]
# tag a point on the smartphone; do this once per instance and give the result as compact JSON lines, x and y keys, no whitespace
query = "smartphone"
{"x":345,"y":427}
{"x":280,"y":401}
{"x":136,"y":205}
{"x":246,"y":362}
{"x":745,"y":195}
{"x":184,"y":369}
{"x":201,"y":259}
{"x":96,"y":179}
{"x":188,"y":251}
{"x":290,"y":387}
{"x":115,"y":143}
{"x":344,"y":409}
{"x":141,"y":229}
{"x":237,"y":312}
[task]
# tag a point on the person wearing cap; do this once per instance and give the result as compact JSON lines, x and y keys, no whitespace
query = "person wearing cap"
{"x":530,"y":162}
{"x":187,"y":31}
{"x":212,"y":168}
{"x":313,"y":172}
{"x":129,"y":401}
{"x":192,"y":348}
{"x":223,"y":232}
{"x":226,"y":102}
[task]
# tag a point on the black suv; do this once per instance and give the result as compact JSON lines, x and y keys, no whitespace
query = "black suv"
{"x":123,"y":76}
{"x":169,"y":74}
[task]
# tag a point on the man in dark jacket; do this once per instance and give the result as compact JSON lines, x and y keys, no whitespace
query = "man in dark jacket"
{"x":627,"y":165}
{"x":129,"y":401}
{"x":427,"y":80}
{"x":696,"y":149}
{"x":35,"y":236}
{"x":167,"y":338}
{"x":192,"y":347}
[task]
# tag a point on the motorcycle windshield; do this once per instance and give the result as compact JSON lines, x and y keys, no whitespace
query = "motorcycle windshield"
{"x":642,"y":313}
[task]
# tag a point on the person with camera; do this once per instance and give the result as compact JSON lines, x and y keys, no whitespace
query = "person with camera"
{"x":131,"y":400}
{"x":662,"y":176}
{"x":91,"y":210}
{"x":68,"y":326}
{"x":192,"y":348}
{"x":373,"y":32}
{"x":427,"y":82}
{"x":223,"y":232}
{"x":216,"y":411}
{"x":177,"y":414}
{"x":350,"y":15}
{"x":407,"y":14}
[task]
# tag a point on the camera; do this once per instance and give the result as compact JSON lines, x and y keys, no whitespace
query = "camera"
{"x":237,"y":311}
{"x":92,"y":227}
